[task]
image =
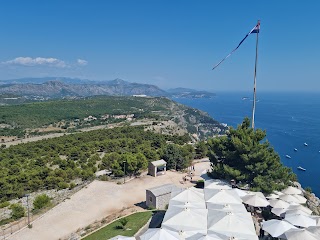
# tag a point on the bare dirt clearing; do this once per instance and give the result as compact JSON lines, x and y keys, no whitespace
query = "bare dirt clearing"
{"x":96,"y":201}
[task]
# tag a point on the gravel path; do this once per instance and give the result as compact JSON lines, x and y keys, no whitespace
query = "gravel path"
{"x":96,"y":201}
{"x":53,"y":135}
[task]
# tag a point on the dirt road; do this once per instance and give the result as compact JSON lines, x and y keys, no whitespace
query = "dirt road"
{"x":96,"y":201}
{"x":51,"y":135}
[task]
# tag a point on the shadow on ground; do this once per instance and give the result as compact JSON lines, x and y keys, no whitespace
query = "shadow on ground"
{"x":142,"y":205}
{"x":156,"y":219}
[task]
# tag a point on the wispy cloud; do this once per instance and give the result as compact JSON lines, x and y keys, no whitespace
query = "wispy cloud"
{"x":38,"y":61}
{"x":82,"y":62}
{"x":41,"y":61}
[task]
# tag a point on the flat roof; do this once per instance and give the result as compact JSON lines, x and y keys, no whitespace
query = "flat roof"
{"x":163,"y":189}
{"x":159,"y":163}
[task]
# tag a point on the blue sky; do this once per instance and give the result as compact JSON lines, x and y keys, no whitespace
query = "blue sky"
{"x":170,"y":43}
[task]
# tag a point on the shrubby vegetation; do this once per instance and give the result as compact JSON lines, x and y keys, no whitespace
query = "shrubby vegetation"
{"x":55,"y":162}
{"x":17,"y":211}
{"x":41,"y":201}
{"x":39,"y":114}
{"x":69,"y":115}
{"x":201,"y":150}
{"x":245,"y":156}
{"x":178,"y":157}
{"x":4,"y":204}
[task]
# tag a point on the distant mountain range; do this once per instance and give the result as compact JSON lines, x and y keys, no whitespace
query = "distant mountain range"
{"x":58,"y":87}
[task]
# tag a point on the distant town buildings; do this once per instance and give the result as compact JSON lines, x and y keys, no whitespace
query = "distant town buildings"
{"x":128,"y":117}
{"x":140,"y":95}
{"x":90,"y":118}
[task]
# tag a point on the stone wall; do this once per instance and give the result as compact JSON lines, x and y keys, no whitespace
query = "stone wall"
{"x":159,"y":202}
{"x":163,"y":201}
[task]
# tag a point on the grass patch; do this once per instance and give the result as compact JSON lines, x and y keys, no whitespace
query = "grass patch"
{"x":135,"y":222}
{"x":6,"y":221}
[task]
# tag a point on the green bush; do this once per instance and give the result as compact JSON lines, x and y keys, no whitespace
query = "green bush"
{"x":72,"y":186}
{"x":123,"y":222}
{"x":4,"y":204}
{"x":41,"y":201}
{"x":63,"y":185}
{"x":308,"y":189}
{"x":6,"y":221}
{"x":104,"y":178}
{"x":18,"y":211}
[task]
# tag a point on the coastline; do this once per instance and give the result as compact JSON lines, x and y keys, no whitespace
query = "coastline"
{"x":289,"y":122}
{"x":313,"y":202}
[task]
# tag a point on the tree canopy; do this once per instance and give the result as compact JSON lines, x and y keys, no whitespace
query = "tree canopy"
{"x":244,"y":155}
{"x":56,"y":162}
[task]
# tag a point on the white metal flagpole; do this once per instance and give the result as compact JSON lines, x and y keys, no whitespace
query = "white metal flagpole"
{"x":255,"y":77}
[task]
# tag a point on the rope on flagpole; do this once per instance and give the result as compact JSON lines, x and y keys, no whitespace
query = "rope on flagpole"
{"x":255,"y":78}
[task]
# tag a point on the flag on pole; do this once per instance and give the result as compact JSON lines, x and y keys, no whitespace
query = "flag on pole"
{"x":256,"y":29}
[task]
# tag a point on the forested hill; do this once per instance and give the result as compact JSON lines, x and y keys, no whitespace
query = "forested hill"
{"x":156,"y":113}
{"x":60,"y":162}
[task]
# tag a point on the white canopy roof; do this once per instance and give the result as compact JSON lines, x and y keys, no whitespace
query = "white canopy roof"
{"x":216,"y":184}
{"x":235,"y":236}
{"x":278,"y":203}
{"x":317,"y":218}
{"x":236,"y":208}
{"x":289,"y":198}
{"x":276,"y":227}
{"x":278,"y":193}
{"x":315,"y":230}
{"x":301,"y":199}
{"x":260,"y":194}
{"x":159,"y":234}
{"x":230,"y":224}
{"x":188,"y":195}
{"x":296,"y":211}
{"x":300,"y":207}
{"x":300,"y":220}
{"x":241,"y":193}
{"x":119,"y":237}
{"x":188,"y":220}
{"x":194,"y":204}
{"x":222,"y":196}
{"x":272,"y":196}
{"x":299,"y":234}
{"x":255,"y":200}
{"x":279,"y":211}
{"x":291,"y":190}
{"x":204,"y":237}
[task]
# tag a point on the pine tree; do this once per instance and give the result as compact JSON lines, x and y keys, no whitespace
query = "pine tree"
{"x":245,"y":155}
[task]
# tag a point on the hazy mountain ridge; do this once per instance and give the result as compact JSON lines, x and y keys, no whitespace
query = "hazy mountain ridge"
{"x":56,"y":87}
{"x":189,"y":93}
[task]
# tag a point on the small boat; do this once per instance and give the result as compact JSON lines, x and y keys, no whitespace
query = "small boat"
{"x":301,"y":168}
{"x":287,"y":156}
{"x":295,"y":150}
{"x":305,"y":144}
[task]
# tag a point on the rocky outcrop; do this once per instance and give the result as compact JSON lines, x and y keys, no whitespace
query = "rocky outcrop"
{"x":313,"y":202}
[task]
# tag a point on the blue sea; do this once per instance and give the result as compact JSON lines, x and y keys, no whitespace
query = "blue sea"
{"x":290,"y":119}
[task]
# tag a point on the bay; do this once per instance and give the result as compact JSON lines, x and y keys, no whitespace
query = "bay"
{"x":290,"y":119}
